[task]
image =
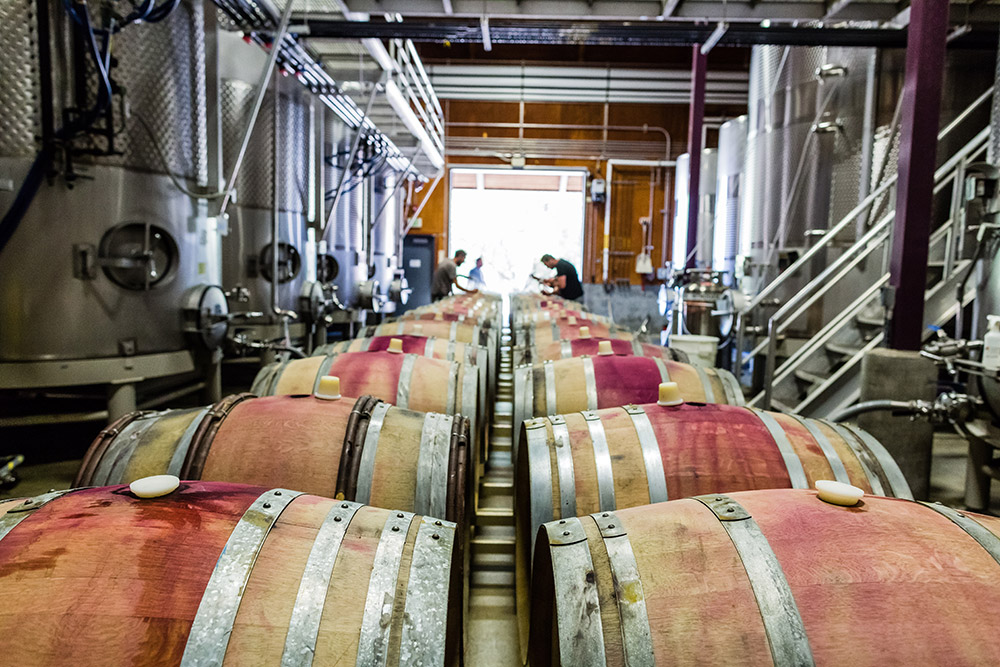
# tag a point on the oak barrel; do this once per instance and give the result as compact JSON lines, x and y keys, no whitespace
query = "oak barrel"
{"x":578,"y":347}
{"x":364,"y":450}
{"x":591,"y":383}
{"x":576,"y":464}
{"x":768,"y":577}
{"x":217,"y":572}
{"x":545,"y":333}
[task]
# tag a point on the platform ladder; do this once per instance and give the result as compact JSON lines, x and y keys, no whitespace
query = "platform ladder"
{"x":818,"y":375}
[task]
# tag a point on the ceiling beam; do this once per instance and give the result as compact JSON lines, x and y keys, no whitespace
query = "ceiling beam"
{"x":665,"y":33}
{"x":669,"y":7}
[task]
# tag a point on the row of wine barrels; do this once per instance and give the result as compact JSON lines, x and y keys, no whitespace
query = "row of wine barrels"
{"x":577,"y":464}
{"x":534,"y":317}
{"x":768,"y":578}
{"x":215,"y":572}
{"x":566,"y":349}
{"x":457,"y":331}
{"x":436,"y":348}
{"x":592,"y":383}
{"x":363,"y":450}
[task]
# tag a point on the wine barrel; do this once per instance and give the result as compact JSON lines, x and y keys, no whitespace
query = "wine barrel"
{"x":456,"y":331}
{"x":485,"y":320}
{"x":225,"y":572}
{"x":577,"y":464}
{"x":436,"y":348}
{"x":546,"y":333}
{"x":364,"y":450}
{"x":533,"y":318}
{"x":591,"y":383}
{"x":567,"y":349}
{"x":768,"y":577}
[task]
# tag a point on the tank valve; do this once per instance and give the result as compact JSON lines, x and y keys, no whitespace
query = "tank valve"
{"x":585,"y":333}
{"x":395,"y":345}
{"x":838,"y":493}
{"x":329,"y":388}
{"x":670,"y":394}
{"x":155,"y":486}
{"x":604,"y":348}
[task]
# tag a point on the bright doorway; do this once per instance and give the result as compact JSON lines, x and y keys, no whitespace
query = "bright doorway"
{"x":511,"y":218}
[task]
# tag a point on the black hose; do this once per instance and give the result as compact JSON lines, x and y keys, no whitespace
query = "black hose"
{"x":872,"y":406}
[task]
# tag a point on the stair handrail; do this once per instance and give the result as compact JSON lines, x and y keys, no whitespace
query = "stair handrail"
{"x":941,"y":175}
{"x":851,"y":216}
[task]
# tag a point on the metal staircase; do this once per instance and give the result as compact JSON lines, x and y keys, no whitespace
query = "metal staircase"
{"x":819,"y":374}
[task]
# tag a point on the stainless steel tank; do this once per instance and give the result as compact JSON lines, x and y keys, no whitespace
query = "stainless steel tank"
{"x":346,"y":237}
{"x":101,"y":269}
{"x":386,"y":233}
{"x":283,"y":118}
{"x":729,"y":181}
{"x":805,"y":158}
{"x":706,"y":209}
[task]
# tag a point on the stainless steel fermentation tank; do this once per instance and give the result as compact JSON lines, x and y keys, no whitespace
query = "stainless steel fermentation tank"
{"x":273,"y":182}
{"x":346,"y":239}
{"x":386,"y":232}
{"x":706,"y":209}
{"x":100,"y":267}
{"x":729,"y":188}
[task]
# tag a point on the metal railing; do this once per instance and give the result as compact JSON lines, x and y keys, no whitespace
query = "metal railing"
{"x":877,"y":237}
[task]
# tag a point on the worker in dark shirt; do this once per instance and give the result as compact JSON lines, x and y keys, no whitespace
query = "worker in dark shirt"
{"x":446,"y":277}
{"x":566,"y":282}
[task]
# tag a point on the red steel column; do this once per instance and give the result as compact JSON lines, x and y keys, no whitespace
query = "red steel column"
{"x":696,"y":119}
{"x":925,"y":51}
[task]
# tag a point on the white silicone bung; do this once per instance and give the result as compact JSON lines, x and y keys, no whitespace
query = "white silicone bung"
{"x":585,"y":333}
{"x":329,"y":388}
{"x":604,"y":348}
{"x":155,"y":486}
{"x":439,"y":316}
{"x":396,"y":345}
{"x":670,"y":394}
{"x":571,"y":319}
{"x":838,"y":493}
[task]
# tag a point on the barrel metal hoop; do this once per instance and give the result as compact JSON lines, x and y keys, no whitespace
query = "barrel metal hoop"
{"x":213,"y":623}
{"x":323,"y":370}
{"x":564,"y":466}
{"x":729,"y":381}
{"x":900,"y":487}
{"x":403,"y":386}
{"x":550,"y":388}
{"x":303,"y":627}
{"x":184,"y":444}
{"x":366,"y":471}
{"x":987,"y":540}
{"x":637,"y":348}
{"x":793,"y":464}
{"x":453,"y":331}
{"x":401,"y":328}
{"x":431,"y":493}
{"x":451,"y":350}
{"x":470,"y":389}
{"x":864,"y":457}
{"x":425,"y":613}
{"x":16,"y":515}
{"x":661,"y":366}
{"x":786,"y":633}
{"x":590,"y":382}
{"x":366,"y":343}
{"x":656,"y":479}
{"x":602,"y":461}
{"x":839,"y":471}
{"x":540,"y":476}
{"x":262,"y":381}
{"x":637,"y":639}
{"x":706,"y":383}
{"x":556,"y":335}
{"x":111,"y":468}
{"x":727,"y":389}
{"x":565,"y":349}
{"x":450,"y":396}
{"x":373,"y":644}
{"x":578,"y":607}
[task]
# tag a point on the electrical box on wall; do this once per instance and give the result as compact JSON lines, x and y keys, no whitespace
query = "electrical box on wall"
{"x":597,"y":190}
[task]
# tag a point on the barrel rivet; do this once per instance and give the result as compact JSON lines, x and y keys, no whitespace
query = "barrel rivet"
{"x":610,"y":526}
{"x":336,"y":518}
{"x":437,"y":523}
{"x":605,"y":515}
{"x":395,"y":529}
{"x":277,"y":493}
{"x":435,"y":536}
{"x":344,"y":506}
{"x":562,"y":521}
{"x":565,"y":533}
{"x":399,"y":516}
{"x":267,"y":506}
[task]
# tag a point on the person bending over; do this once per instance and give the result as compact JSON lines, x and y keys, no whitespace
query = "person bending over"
{"x":446,"y":277}
{"x":566,"y":282}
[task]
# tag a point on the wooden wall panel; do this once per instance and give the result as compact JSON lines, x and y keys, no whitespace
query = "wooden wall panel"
{"x":630,"y":193}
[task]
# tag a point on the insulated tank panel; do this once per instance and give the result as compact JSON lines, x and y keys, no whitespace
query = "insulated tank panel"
{"x":732,"y":152}
{"x":75,"y":281}
{"x":706,"y":209}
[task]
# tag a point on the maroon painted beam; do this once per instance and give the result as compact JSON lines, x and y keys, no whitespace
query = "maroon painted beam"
{"x":696,"y":119}
{"x":925,"y":51}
